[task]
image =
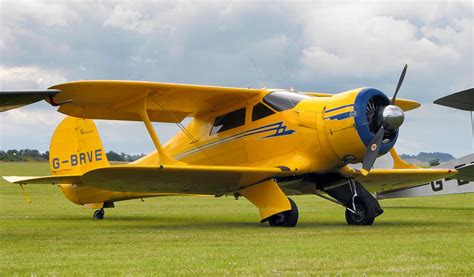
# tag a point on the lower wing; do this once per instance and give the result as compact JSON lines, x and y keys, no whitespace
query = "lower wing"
{"x":379,"y":180}
{"x":212,"y":180}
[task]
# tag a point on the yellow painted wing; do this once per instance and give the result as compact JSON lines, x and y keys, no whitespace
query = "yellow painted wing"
{"x":318,"y":94}
{"x":165,"y":102}
{"x":213,"y":180}
{"x":406,"y":105}
{"x":379,"y":180}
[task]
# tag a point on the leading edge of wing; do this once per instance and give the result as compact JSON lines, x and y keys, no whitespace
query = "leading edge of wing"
{"x":177,"y":179}
{"x":387,"y":179}
{"x":165,"y":102}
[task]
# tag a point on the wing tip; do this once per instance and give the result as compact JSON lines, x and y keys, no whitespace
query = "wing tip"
{"x":12,"y":179}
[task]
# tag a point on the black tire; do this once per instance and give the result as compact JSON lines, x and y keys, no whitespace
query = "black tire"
{"x":365,"y":214}
{"x":99,"y":214}
{"x":285,"y":219}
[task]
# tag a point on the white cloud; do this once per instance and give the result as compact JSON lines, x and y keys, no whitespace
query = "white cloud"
{"x":129,"y":20}
{"x":48,"y":13}
{"x":30,"y":127}
{"x":330,"y":46}
{"x":365,"y":39}
{"x":29,"y":77}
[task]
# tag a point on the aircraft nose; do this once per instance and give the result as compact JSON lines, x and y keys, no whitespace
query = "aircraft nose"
{"x":392,"y":117}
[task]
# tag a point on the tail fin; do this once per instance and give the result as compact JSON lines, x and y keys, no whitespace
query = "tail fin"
{"x":76,"y":147}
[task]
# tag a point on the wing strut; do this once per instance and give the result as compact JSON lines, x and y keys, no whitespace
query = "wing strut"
{"x":142,"y":111}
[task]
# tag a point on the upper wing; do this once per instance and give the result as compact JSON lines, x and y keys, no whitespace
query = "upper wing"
{"x":214,"y":180}
{"x":406,"y":105}
{"x":379,"y":180}
{"x":164,"y":102}
{"x":15,"y":99}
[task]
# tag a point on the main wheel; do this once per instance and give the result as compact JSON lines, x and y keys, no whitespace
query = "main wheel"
{"x":364,"y":215}
{"x":285,"y":219}
{"x":99,"y":214}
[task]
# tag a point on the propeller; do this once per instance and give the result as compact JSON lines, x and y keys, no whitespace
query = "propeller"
{"x":400,"y":81}
{"x":391,"y":118}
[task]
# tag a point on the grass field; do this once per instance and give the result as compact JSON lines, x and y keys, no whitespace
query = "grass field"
{"x":205,"y":235}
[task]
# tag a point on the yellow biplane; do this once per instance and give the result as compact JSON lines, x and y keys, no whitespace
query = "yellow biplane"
{"x":262,"y":144}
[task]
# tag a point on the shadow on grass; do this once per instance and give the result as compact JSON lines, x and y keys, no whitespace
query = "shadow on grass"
{"x":199,"y":223}
{"x":434,"y":208}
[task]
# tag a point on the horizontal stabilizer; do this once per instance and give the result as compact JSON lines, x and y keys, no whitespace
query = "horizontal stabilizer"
{"x":15,"y":99}
{"x":62,"y":179}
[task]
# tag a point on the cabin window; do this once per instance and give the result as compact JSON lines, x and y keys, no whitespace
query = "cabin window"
{"x":283,"y":100}
{"x":228,"y":121}
{"x":260,"y":111}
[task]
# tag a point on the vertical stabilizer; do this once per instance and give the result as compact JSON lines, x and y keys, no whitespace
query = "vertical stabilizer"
{"x":76,"y":147}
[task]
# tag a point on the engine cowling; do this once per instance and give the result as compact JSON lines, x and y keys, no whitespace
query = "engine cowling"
{"x":351,"y":119}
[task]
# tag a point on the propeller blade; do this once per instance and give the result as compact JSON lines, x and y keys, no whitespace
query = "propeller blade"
{"x":372,"y":151}
{"x":400,"y":81}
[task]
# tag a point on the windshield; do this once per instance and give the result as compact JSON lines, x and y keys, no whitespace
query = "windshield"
{"x":283,"y":100}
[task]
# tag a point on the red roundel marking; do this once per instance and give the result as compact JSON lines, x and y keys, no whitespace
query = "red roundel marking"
{"x":373,"y":147}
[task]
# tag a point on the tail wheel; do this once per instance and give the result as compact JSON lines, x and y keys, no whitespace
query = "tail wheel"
{"x":287,"y":218}
{"x":99,"y":214}
{"x":364,"y":214}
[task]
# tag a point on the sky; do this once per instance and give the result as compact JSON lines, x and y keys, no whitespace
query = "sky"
{"x":327,"y":46}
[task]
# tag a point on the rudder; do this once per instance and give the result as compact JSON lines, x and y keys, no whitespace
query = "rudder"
{"x":76,"y":147}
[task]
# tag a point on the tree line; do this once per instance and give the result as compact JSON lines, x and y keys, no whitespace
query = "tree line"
{"x":24,"y":155}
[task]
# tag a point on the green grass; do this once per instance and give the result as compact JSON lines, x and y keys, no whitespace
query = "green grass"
{"x":204,"y":235}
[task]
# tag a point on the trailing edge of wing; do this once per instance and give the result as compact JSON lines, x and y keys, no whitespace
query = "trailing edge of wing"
{"x":15,"y":99}
{"x":388,"y":179}
{"x":165,"y":102}
{"x":177,"y":179}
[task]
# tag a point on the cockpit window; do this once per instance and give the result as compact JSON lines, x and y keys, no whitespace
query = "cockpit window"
{"x":228,"y":121}
{"x":283,"y":100}
{"x":260,"y":111}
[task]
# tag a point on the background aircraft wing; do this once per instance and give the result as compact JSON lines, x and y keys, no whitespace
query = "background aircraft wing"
{"x":15,"y":99}
{"x":213,"y":180}
{"x":462,"y":100}
{"x":465,"y":172}
{"x":379,"y":180}
{"x":120,"y":100}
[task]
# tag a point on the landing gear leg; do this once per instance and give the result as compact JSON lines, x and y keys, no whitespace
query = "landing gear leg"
{"x":287,"y":218}
{"x":361,"y":207}
{"x":99,"y":214}
{"x":361,"y":210}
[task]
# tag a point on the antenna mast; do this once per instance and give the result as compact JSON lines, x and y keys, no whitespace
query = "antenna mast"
{"x":258,"y":73}
{"x":292,"y":89}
